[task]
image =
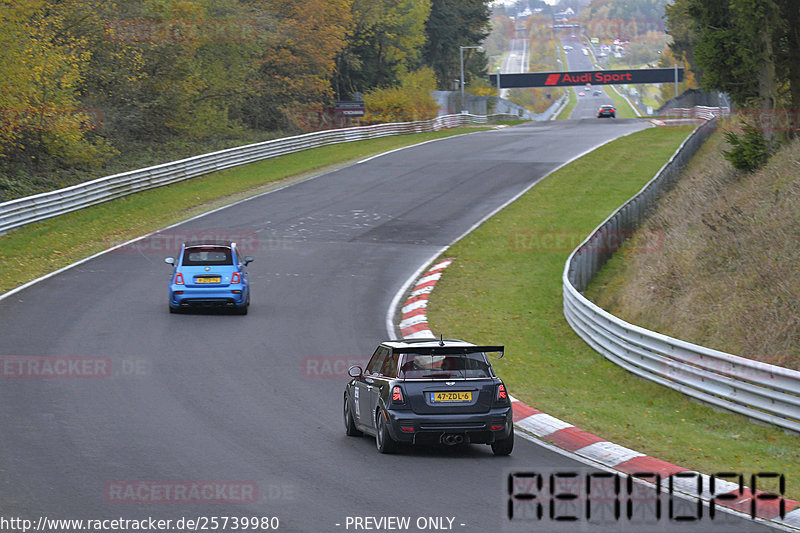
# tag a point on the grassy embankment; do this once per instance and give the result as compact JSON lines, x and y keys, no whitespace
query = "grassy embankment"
{"x":727,"y":275}
{"x":624,"y":109}
{"x":505,"y":288}
{"x":35,"y":250}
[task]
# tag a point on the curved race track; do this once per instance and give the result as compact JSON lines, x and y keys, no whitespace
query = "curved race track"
{"x":256,"y":399}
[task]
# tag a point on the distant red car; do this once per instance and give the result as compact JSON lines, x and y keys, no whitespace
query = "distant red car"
{"x":606,"y":111}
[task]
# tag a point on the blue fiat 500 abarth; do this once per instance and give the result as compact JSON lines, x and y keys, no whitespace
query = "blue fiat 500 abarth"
{"x":209,"y":275}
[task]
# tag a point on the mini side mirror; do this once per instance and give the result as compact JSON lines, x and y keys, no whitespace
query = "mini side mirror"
{"x":248,"y":259}
{"x":355,"y":371}
{"x":169,"y":260}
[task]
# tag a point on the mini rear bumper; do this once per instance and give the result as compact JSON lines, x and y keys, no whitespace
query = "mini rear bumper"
{"x":407,"y":426}
{"x":207,"y":297}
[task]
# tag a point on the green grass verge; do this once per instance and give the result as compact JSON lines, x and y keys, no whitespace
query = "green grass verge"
{"x":624,"y":109}
{"x":504,"y":287}
{"x":40,"y":248}
{"x":573,"y":101}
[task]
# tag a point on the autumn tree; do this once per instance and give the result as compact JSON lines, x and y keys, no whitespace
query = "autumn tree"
{"x":296,"y":66}
{"x":41,"y":70}
{"x":384,"y":42}
{"x":410,"y":100}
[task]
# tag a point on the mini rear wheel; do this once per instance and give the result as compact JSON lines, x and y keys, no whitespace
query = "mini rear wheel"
{"x":383,"y":440}
{"x":504,"y":446}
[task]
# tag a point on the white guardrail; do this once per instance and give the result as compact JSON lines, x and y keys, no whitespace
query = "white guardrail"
{"x":22,"y":211}
{"x":760,"y":391}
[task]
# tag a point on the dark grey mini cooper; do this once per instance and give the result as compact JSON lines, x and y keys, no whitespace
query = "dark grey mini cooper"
{"x":429,"y":391}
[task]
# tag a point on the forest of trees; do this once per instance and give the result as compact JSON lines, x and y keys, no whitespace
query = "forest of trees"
{"x":85,"y":82}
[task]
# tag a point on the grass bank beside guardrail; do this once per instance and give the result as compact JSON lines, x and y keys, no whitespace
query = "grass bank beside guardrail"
{"x":40,"y":248}
{"x":573,"y":101}
{"x":504,"y":287}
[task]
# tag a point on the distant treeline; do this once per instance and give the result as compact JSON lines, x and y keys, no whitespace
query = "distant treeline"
{"x":84,"y":81}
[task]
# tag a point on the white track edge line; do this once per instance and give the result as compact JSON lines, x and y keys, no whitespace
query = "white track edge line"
{"x":392,"y":311}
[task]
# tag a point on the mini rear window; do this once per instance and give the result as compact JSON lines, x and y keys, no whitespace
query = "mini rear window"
{"x":471,"y":365}
{"x":211,"y":255}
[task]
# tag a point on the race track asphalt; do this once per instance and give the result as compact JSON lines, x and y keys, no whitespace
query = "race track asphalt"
{"x":256,"y":399}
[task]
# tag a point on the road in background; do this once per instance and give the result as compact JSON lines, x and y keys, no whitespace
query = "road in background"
{"x":593,"y":97}
{"x":516,"y":60}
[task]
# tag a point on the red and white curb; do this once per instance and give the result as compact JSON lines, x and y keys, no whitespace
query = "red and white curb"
{"x":414,"y":319}
{"x":414,"y":324}
{"x":599,"y":450}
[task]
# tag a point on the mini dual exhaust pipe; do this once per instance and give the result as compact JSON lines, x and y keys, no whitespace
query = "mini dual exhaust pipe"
{"x":452,"y":440}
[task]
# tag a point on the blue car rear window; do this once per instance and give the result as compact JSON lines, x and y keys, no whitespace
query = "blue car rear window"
{"x":207,"y":256}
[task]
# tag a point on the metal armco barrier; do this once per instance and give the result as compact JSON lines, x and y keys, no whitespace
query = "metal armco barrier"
{"x":703,"y":112}
{"x":760,"y":391}
{"x":22,"y":211}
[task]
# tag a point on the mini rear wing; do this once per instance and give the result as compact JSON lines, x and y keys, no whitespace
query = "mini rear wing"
{"x":449,"y":350}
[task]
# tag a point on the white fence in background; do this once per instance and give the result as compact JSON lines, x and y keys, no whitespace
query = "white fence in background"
{"x":760,"y":391}
{"x":22,"y":211}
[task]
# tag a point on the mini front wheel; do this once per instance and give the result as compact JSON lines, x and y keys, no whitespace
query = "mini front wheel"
{"x":349,"y":424}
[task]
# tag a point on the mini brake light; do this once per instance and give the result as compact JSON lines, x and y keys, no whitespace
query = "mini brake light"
{"x":397,"y":394}
{"x":501,"y":392}
{"x":236,"y":278}
{"x":178,"y":279}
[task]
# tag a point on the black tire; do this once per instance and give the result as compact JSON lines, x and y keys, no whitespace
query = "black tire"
{"x":504,"y":446}
{"x":243,"y":310}
{"x":173,"y":309}
{"x":384,"y":441}
{"x":349,"y":424}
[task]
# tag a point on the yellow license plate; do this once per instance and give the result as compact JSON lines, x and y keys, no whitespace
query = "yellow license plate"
{"x":209,"y":280}
{"x":451,"y":396}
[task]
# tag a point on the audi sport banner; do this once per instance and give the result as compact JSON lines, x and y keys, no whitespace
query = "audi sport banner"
{"x":583,"y":77}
